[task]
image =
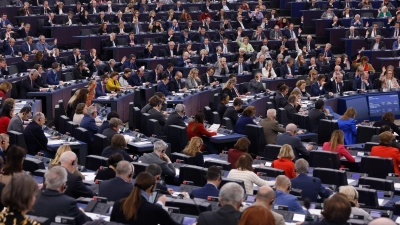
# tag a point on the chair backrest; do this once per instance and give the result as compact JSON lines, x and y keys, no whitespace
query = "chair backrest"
{"x":325,"y":129}
{"x":282,"y":116}
{"x":137,"y":99}
{"x":68,"y":76}
{"x":131,"y":115}
{"x":139,"y":167}
{"x":62,"y":107}
{"x":244,"y":87}
{"x":81,"y":134}
{"x":189,"y":206}
{"x":215,"y":100}
{"x":225,"y":180}
{"x":208,"y":115}
{"x":177,"y":137}
{"x":136,"y":115}
{"x":365,"y":133}
{"x":57,"y":115}
{"x":32,"y":164}
{"x":227,"y":123}
{"x":216,"y":118}
{"x":367,"y":197}
{"x":63,"y":124}
{"x":257,"y":139}
{"x":368,"y":146}
{"x":86,"y":32}
{"x":376,"y":166}
{"x":100,"y":142}
{"x":17,"y":138}
{"x":331,"y":176}
{"x":15,"y":91}
{"x":12,"y":69}
{"x":269,"y":171}
{"x":144,"y":124}
{"x":377,"y":183}
{"x":271,"y":151}
{"x":94,"y":162}
{"x":324,"y":159}
{"x":70,"y":127}
{"x":192,"y":173}
{"x":222,"y":164}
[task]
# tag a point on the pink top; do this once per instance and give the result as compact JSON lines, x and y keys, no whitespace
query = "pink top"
{"x":341,"y":150}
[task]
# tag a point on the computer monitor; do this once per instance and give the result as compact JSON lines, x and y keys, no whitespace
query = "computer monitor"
{"x":359,"y":103}
{"x":380,"y":104}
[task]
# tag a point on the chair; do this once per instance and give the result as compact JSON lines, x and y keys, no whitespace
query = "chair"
{"x":177,"y":137}
{"x":68,"y":76}
{"x":367,"y":15}
{"x":146,"y":40}
{"x":225,"y":180}
{"x":32,"y":164}
{"x":139,"y":167}
{"x":63,"y":124}
{"x":365,"y":133}
{"x":208,"y":115}
{"x":367,"y":197}
{"x":269,"y":171}
{"x":255,"y":134}
{"x":121,"y":41}
{"x":368,"y":146}
{"x":377,"y":183}
{"x":17,"y":138}
{"x":40,"y":25}
{"x":244,"y":87}
{"x":325,"y":129}
{"x":282,"y":116}
{"x":223,"y":165}
{"x":216,"y":118}
{"x":57,"y":115}
{"x":62,"y":108}
{"x":177,"y":157}
{"x":324,"y":159}
{"x":15,"y":89}
{"x":12,"y":69}
{"x":94,"y":162}
{"x":144,"y":118}
{"x":331,"y":176}
{"x":137,"y":99}
{"x":81,"y":134}
{"x":271,"y":151}
{"x":196,"y":174}
{"x":227,"y":123}
{"x":100,"y":142}
{"x":131,"y":115}
{"x":70,"y":127}
{"x":136,"y":115}
{"x":154,"y":128}
{"x":190,"y":206}
{"x":86,"y":32}
{"x":376,"y":166}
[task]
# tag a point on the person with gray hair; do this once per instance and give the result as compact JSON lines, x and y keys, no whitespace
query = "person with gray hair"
{"x":271,"y":127}
{"x":175,"y":118}
{"x":155,"y":75}
{"x":88,"y":121}
{"x":29,"y":83}
{"x":121,"y":185}
{"x":34,"y":136}
{"x":52,"y":201}
{"x":289,"y":137}
{"x":283,"y":187}
{"x":266,"y":196}
{"x":221,"y":68}
{"x":230,"y":198}
{"x":159,"y":157}
{"x":75,"y":187}
{"x":311,"y":186}
{"x":114,"y":127}
{"x":352,"y":195}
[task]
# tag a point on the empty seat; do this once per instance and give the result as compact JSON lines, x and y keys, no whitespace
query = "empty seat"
{"x":282,"y":116}
{"x":365,"y":133}
{"x":269,"y":171}
{"x":63,"y":124}
{"x":136,"y":115}
{"x":177,"y":137}
{"x":271,"y":151}
{"x":331,"y":176}
{"x":190,"y":206}
{"x":376,"y":166}
{"x":131,"y":116}
{"x":225,"y":180}
{"x":139,"y":167}
{"x":227,"y":123}
{"x":70,"y":127}
{"x":255,"y":134}
{"x":94,"y":162}
{"x":324,"y":159}
{"x":224,"y":165}
{"x":81,"y":134}
{"x":100,"y":142}
{"x":177,"y":157}
{"x":192,"y":173}
{"x":377,"y":183}
{"x":368,"y":197}
{"x":144,"y":123}
{"x":216,"y":118}
{"x":325,"y":129}
{"x":17,"y":138}
{"x":32,"y":164}
{"x":208,"y":115}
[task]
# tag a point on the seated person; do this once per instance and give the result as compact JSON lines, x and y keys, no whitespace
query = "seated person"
{"x":246,"y":118}
{"x":80,"y":112}
{"x":106,"y":124}
{"x":155,"y":112}
{"x":214,"y":176}
{"x":109,"y":172}
{"x":14,"y":164}
{"x":159,"y":157}
{"x":284,"y":161}
{"x":222,"y":105}
{"x":155,"y":170}
{"x":347,"y":124}
{"x":34,"y":136}
{"x":175,"y":118}
{"x":316,"y":114}
{"x":118,"y":145}
{"x":120,"y":186}
{"x":280,"y":98}
{"x":88,"y":122}
{"x":383,"y":128}
{"x":271,"y":127}
{"x":282,"y":196}
{"x":241,"y":146}
{"x":363,"y":83}
{"x":289,"y":137}
{"x":336,"y":144}
{"x":113,"y":83}
{"x":290,"y":108}
{"x":192,"y":149}
{"x":385,"y":150}
{"x":114,"y":127}
{"x":196,"y":127}
{"x":232,"y":111}
{"x":352,"y":195}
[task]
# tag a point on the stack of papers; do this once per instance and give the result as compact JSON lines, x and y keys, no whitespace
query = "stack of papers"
{"x":104,"y":97}
{"x":349,"y":181}
{"x":55,"y":142}
{"x":89,"y":175}
{"x":299,"y":217}
{"x":142,"y":143}
{"x":214,"y":128}
{"x":95,"y":216}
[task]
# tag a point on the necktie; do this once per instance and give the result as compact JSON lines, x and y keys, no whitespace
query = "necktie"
{"x":208,"y":79}
{"x":137,"y":29}
{"x":102,"y":88}
{"x":397,"y":33}
{"x":338,"y":88}
{"x":113,"y":44}
{"x":156,"y":76}
{"x":29,"y":47}
{"x":362,"y":85}
{"x":236,"y":91}
{"x":240,"y":69}
{"x":31,"y":83}
{"x":293,"y":35}
{"x":225,"y":50}
{"x":374,"y":33}
{"x":179,"y":85}
{"x":259,"y":37}
{"x":308,"y":46}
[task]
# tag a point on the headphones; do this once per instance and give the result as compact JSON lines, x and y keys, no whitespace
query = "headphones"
{"x":289,"y":188}
{"x":355,"y":194}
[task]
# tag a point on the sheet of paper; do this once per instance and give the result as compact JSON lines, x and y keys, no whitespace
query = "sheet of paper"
{"x":349,"y":181}
{"x":55,"y":142}
{"x":176,"y":172}
{"x":214,"y":127}
{"x":95,"y":216}
{"x":142,"y":143}
{"x":268,"y":164}
{"x":73,"y":143}
{"x":360,"y":153}
{"x":397,"y":185}
{"x":104,"y":97}
{"x":287,"y":223}
{"x":380,"y":201}
{"x":179,"y":94}
{"x":47,"y":135}
{"x":219,"y":135}
{"x":315,"y":211}
{"x":398,"y":220}
{"x":299,"y":217}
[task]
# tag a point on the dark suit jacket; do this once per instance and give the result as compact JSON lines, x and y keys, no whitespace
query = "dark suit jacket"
{"x":232,"y":114}
{"x":284,"y":70}
{"x":51,"y":203}
{"x":347,"y":35}
{"x":204,"y":80}
{"x":338,"y":24}
{"x":173,"y":85}
{"x":109,"y":43}
{"x":221,"y":108}
{"x":295,"y":142}
{"x":115,"y":189}
{"x":8,"y":50}
{"x":280,"y":101}
{"x":210,"y":48}
{"x":136,"y":80}
{"x":357,"y":84}
{"x":256,"y":87}
{"x":99,"y":90}
{"x":23,"y":34}
{"x":154,"y":114}
{"x":226,"y":215}
{"x":23,"y":66}
{"x":378,"y":32}
{"x":245,"y":67}
{"x":34,"y":138}
{"x":311,"y":187}
{"x":27,"y":87}
{"x":65,"y":20}
{"x":152,"y":77}
{"x":78,"y":74}
{"x":71,"y":60}
{"x":89,"y":124}
{"x":48,"y":10}
{"x":316,"y":91}
{"x":381,"y":44}
{"x":290,"y":111}
{"x":173,"y":119}
{"x":161,"y":87}
{"x":41,"y":82}
{"x":330,"y":86}
{"x":109,"y":133}
{"x":76,"y":188}
{"x":204,"y":192}
{"x":315,"y":116}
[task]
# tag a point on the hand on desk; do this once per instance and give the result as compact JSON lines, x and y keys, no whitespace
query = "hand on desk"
{"x":163,"y":199}
{"x":170,"y":191}
{"x":43,"y":89}
{"x":327,"y":111}
{"x":309,"y":147}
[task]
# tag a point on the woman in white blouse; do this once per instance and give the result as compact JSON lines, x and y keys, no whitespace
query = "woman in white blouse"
{"x":80,"y":111}
{"x":268,"y":71}
{"x":244,"y":172}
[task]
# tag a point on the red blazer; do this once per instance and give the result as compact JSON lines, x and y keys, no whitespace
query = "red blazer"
{"x":198,"y":131}
{"x":3,"y":95}
{"x":285,"y":164}
{"x":341,"y":150}
{"x":4,"y":121}
{"x":388,"y":152}
{"x":233,"y":156}
{"x":203,"y":16}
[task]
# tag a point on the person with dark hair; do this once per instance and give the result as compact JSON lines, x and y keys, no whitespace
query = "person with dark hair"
{"x":383,"y":128}
{"x":136,"y":208}
{"x":120,"y":186}
{"x":281,"y":98}
{"x":222,"y":105}
{"x":34,"y":136}
{"x":106,"y":124}
{"x":246,"y":118}
{"x":88,"y":122}
{"x":318,"y":88}
{"x":16,"y":122}
{"x":316,"y":114}
{"x":101,"y":89}
{"x":155,"y":112}
{"x":385,"y":150}
{"x":118,"y":145}
{"x":81,"y":71}
{"x":241,"y":146}
{"x":290,"y":108}
{"x":81,"y":98}
{"x":15,"y":160}
{"x":196,"y":127}
{"x":150,"y":105}
{"x":214,"y":176}
{"x":155,"y":170}
{"x":388,"y":119}
{"x":7,"y":112}
{"x":232,"y":111}
{"x":162,"y":85}
{"x":107,"y":173}
{"x":115,"y":125}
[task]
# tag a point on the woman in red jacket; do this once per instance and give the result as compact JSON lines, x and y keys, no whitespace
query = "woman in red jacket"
{"x":4,"y":88}
{"x":5,"y":116}
{"x":241,"y":147}
{"x":385,"y":150}
{"x":204,"y":15}
{"x":284,"y":161}
{"x":196,"y":129}
{"x":336,"y":144}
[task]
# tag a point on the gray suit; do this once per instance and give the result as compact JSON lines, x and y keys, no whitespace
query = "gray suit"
{"x":278,"y":218}
{"x":293,"y":141}
{"x":218,"y":69}
{"x":273,"y":34}
{"x":192,"y":83}
{"x":16,"y":124}
{"x":256,"y":87}
{"x":271,"y":130}
{"x":152,"y":158}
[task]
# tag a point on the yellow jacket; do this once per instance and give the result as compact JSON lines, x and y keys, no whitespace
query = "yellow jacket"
{"x":113,"y":85}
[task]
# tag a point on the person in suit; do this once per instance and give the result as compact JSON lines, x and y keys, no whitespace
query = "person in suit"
{"x":25,"y":31}
{"x":171,"y":51}
{"x":75,"y":57}
{"x":3,"y":71}
{"x":316,"y":114}
{"x":155,"y":170}
{"x":137,"y":79}
{"x":347,"y":124}
{"x":352,"y":33}
{"x":52,"y":76}
{"x":282,"y":196}
{"x":29,"y":85}
{"x":156,"y":74}
{"x":45,"y":10}
{"x":335,"y":84}
{"x":88,"y":122}
{"x":75,"y":187}
{"x":27,"y":46}
{"x":275,"y":34}
{"x":162,"y":85}
{"x":232,"y":111}
{"x":363,"y":83}
{"x":155,"y":112}
{"x":281,"y":98}
{"x":50,"y":21}
{"x":311,"y":187}
{"x":245,"y":119}
{"x":4,"y":22}
{"x":271,"y":127}
{"x":255,"y":85}
{"x":206,"y":45}
{"x":16,"y":122}
{"x":34,"y":136}
{"x":121,"y":186}
{"x":69,"y":19}
{"x":373,"y":31}
{"x":170,"y":71}
{"x":287,"y":70}
{"x":208,"y":79}
{"x":9,"y":47}
{"x":385,"y":150}
{"x":106,"y":124}
{"x":159,"y":157}
{"x":336,"y":23}
{"x":138,"y":202}
{"x":221,"y":108}
{"x":221,"y":68}
{"x":114,"y":125}
{"x":266,"y":196}
{"x":312,"y":5}
{"x":185,"y":37}
{"x":175,"y":118}
{"x":318,"y":88}
{"x":377,"y":44}
{"x":111,"y":42}
{"x":241,"y":67}
{"x":136,"y":27}
{"x":213,"y":177}
{"x":289,"y":137}
{"x":131,"y":40}
{"x":290,"y":108}
{"x":8,"y":33}
{"x":52,"y":201}
{"x":101,"y":89}
{"x":131,"y":64}
{"x":81,"y":71}
{"x":174,"y":85}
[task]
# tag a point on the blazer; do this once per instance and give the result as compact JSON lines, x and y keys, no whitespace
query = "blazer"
{"x":295,"y":142}
{"x":381,"y":44}
{"x":40,"y":82}
{"x":378,"y":32}
{"x":15,"y":124}
{"x":341,"y":150}
{"x":115,"y":189}
{"x":148,"y":54}
{"x":167,"y":168}
{"x":280,"y":100}
{"x":99,"y":90}
{"x":290,"y":111}
{"x":226,"y":215}
{"x":331,"y":86}
{"x":66,"y":19}
{"x":282,"y":198}
{"x":173,"y":119}
{"x":192,"y":83}
{"x":204,"y":192}
{"x":23,"y":34}
{"x":314,"y":116}
{"x":76,"y":188}
{"x":380,"y":123}
{"x":271,"y":129}
{"x":286,"y":165}
{"x":161,"y":87}
{"x":198,"y":131}
{"x":145,"y":214}
{"x":8,"y":49}
{"x":135,"y":80}
{"x":23,"y":66}
{"x":204,"y":79}
{"x":310,"y":186}
{"x":232,"y":114}
{"x":357,"y":84}
{"x":337,"y":24}
{"x":89,"y":124}
{"x":109,"y":133}
{"x":245,"y":67}
{"x":52,"y":78}
{"x":174,"y":85}
{"x":152,"y":77}
{"x":317,"y":90}
{"x":78,"y":74}
{"x":105,"y":174}
{"x":34,"y":138}
{"x":221,"y":108}
{"x":52,"y":203}
{"x":256,"y":87}
{"x":388,"y":152}
{"x":73,"y":60}
{"x":284,"y":70}
{"x":349,"y":129}
{"x":28,"y":86}
{"x":241,"y":124}
{"x":274,"y":34}
{"x":157,"y":115}
{"x":211,"y":49}
{"x":108,"y":151}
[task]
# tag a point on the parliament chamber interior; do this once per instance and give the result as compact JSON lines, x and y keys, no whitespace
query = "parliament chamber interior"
{"x":203,"y":112}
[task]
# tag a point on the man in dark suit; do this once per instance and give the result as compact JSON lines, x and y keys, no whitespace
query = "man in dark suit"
{"x":91,"y":56}
{"x":363,"y":83}
{"x":291,"y":33}
{"x":208,"y":78}
{"x":309,"y":42}
{"x":9,"y":47}
{"x":94,"y":68}
{"x":178,"y":7}
{"x":346,"y":4}
{"x":52,"y":201}
{"x":160,"y":7}
{"x":281,"y":98}
{"x":289,"y":137}
{"x":155,"y":75}
{"x":27,"y":46}
{"x":80,"y":71}
{"x":101,"y":89}
{"x":101,"y":18}
{"x":55,"y":58}
{"x":75,"y":187}
{"x":175,"y":118}
{"x":88,"y":122}
{"x":221,"y":108}
{"x":3,"y":67}
{"x":45,"y":10}
{"x":34,"y":136}
{"x":137,"y":78}
{"x":312,"y":5}
{"x":199,"y":37}
{"x":241,"y":67}
{"x":25,"y":31}
{"x":8,"y":33}
{"x":28,"y":84}
{"x":255,"y":85}
{"x":311,"y":186}
{"x":290,"y":108}
{"x":136,"y":27}
{"x":111,"y":42}
{"x":155,"y":112}
{"x":214,"y":176}
{"x":373,"y":31}
{"x":175,"y":83}
{"x":316,"y":114}
{"x":258,"y":35}
{"x":335,"y":84}
{"x":69,"y":20}
{"x":131,"y":40}
{"x":74,"y":59}
{"x":207,"y":46}
{"x":114,"y":125}
{"x":287,"y":70}
{"x":376,"y":44}
{"x":232,"y":111}
{"x":185,"y":37}
{"x":352,"y":33}
{"x":119,"y":187}
{"x":229,"y":213}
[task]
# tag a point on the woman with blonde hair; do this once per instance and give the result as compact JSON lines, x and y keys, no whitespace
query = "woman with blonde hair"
{"x":285,"y":161}
{"x":352,"y":195}
{"x":193,"y":81}
{"x":171,"y":15}
{"x":347,"y":124}
{"x":336,"y":144}
{"x":193,"y":149}
{"x":312,"y":77}
{"x":203,"y":57}
{"x":301,"y":87}
{"x":4,"y":88}
{"x":56,"y":160}
{"x":129,"y":8}
{"x":387,"y":79}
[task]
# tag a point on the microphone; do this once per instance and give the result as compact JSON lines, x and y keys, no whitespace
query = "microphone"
{"x":197,"y":206}
{"x":307,"y":205}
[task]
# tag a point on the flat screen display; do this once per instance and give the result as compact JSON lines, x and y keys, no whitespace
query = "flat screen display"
{"x":381,"y":104}
{"x":188,"y":220}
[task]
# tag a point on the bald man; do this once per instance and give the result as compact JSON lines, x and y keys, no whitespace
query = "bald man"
{"x":266,"y":197}
{"x":289,"y":137}
{"x":382,"y":221}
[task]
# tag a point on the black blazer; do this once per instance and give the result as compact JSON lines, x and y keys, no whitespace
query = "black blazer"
{"x":76,"y":188}
{"x":393,"y":126}
{"x":221,"y":108}
{"x":27,"y":87}
{"x":314,"y":116}
{"x":78,"y":74}
{"x":173,"y":119}
{"x":34,"y":138}
{"x":115,"y":189}
{"x":51,"y":203}
{"x":226,"y":215}
{"x":232,"y":114}
{"x":105,"y":174}
{"x":330,"y":86}
{"x":290,"y":111}
{"x":23,"y":34}
{"x":154,"y":114}
{"x":173,"y":85}
{"x":230,"y":92}
{"x":40,"y":82}
{"x":280,"y":101}
{"x":145,"y":214}
{"x":152,"y":76}
{"x":23,"y":66}
{"x":204,"y":80}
